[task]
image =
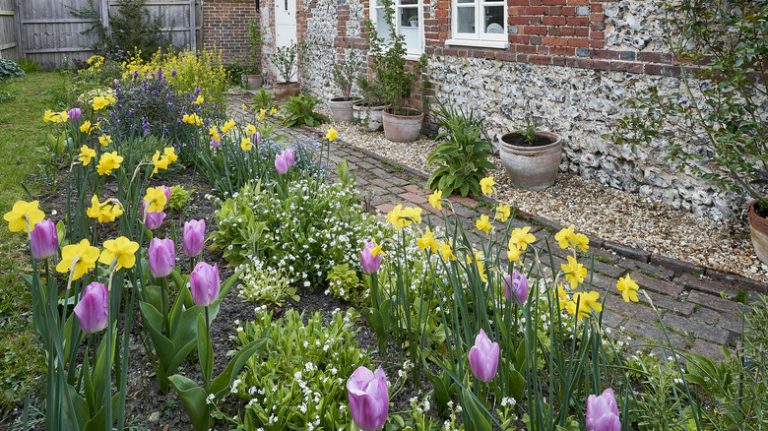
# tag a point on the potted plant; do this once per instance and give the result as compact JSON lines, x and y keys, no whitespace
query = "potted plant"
{"x":368,"y":111}
{"x":531,"y":157}
{"x":253,"y":67}
{"x":284,"y":60}
{"x":344,"y":76}
{"x":394,"y":81}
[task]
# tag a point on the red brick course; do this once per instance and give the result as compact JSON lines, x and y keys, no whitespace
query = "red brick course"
{"x":225,"y":27}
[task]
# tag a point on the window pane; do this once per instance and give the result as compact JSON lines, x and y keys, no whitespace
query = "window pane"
{"x":466,"y":1}
{"x":409,"y":2}
{"x":494,"y":19}
{"x":409,"y":17}
{"x":465,"y":19}
{"x":382,"y":26}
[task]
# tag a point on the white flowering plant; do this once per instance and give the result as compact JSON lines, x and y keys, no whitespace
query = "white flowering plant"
{"x":265,"y":284}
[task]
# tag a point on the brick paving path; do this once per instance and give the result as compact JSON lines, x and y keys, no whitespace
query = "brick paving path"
{"x":702,"y":309}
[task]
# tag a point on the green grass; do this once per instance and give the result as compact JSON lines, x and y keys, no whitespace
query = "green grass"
{"x":22,"y":146}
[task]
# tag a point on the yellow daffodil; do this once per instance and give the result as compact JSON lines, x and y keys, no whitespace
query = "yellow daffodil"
{"x":427,"y":241}
{"x":436,"y":200}
{"x":86,"y":155}
{"x":521,"y":238}
{"x":583,"y":304}
{"x":227,"y":126}
{"x":628,"y":288}
{"x":250,"y":129}
{"x":192,"y":119}
{"x":55,"y":117}
{"x":120,"y":250}
{"x":486,"y":185}
{"x":100,"y":102}
{"x":483,"y":224}
{"x":170,"y":154}
{"x":401,"y":217}
{"x":159,"y":162}
{"x":575,"y":273}
{"x":244,"y":107}
{"x":214,"y":132}
{"x":82,"y":255}
{"x":103,"y":212}
{"x":480,"y":265}
{"x":503,"y":212}
{"x":105,"y":140}
{"x":262,"y":114}
{"x":568,"y":237}
{"x":155,"y":199}
{"x":413,"y":214}
{"x":272,"y":111}
{"x":513,"y":253}
{"x":562,"y":296}
{"x":446,"y":252}
{"x":331,"y":135}
{"x":200,"y":100}
{"x":24,"y":216}
{"x":376,"y":250}
{"x":87,"y":127}
{"x":245,"y":144}
{"x":108,"y":163}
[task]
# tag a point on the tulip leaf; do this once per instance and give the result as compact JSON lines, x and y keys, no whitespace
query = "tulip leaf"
{"x":204,"y":349}
{"x":520,"y":357}
{"x":61,"y":231}
{"x":516,"y":383}
{"x":193,"y":397}
{"x":223,"y":381}
{"x":475,"y":418}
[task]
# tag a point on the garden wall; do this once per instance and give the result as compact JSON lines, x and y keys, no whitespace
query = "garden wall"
{"x":572,"y":65}
{"x":225,"y":27}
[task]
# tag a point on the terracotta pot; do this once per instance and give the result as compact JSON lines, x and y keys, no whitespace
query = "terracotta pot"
{"x":405,"y":126}
{"x":758,"y":227}
{"x":254,"y":82}
{"x":283,"y":90}
{"x":531,"y":167}
{"x":341,"y":107}
{"x":368,"y":116}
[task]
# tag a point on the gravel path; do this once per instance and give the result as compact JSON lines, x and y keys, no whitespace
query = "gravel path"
{"x":608,"y":213}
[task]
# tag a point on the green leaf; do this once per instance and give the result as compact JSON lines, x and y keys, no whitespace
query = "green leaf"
{"x":223,"y":381}
{"x":204,"y":349}
{"x":475,"y":418}
{"x":193,"y":397}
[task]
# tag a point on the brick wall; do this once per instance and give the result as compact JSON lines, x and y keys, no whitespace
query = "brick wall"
{"x":225,"y":27}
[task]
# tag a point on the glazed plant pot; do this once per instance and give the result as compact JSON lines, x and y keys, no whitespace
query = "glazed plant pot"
{"x":531,"y":166}
{"x":758,"y":227}
{"x":403,"y":126}
{"x":369,"y":116}
{"x":341,"y":107}
{"x":254,"y":82}
{"x":284,"y":90}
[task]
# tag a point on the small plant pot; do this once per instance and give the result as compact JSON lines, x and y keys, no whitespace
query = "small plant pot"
{"x":403,"y":126}
{"x":284,"y":90}
{"x":531,"y":166}
{"x":758,"y":227}
{"x":254,"y":82}
{"x":341,"y":107}
{"x":368,"y":116}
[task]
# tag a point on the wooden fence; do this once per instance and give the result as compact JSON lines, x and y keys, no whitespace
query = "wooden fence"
{"x":46,"y":31}
{"x":8,"y":35}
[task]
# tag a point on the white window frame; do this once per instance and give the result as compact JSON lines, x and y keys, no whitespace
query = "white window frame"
{"x":479,"y":38}
{"x":375,"y":7}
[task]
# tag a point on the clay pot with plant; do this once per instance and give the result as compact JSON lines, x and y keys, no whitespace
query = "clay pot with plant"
{"x":285,"y":59}
{"x":344,"y":76}
{"x":253,"y":76}
{"x":531,"y":157}
{"x":395,"y":79}
{"x":368,"y":111}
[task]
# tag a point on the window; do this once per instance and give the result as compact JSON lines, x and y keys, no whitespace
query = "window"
{"x":408,"y":19}
{"x":479,"y":22}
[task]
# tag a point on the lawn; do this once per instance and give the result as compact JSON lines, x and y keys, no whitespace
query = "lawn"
{"x":22,"y":141}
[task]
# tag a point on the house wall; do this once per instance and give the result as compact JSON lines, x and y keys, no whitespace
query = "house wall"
{"x":571,"y":65}
{"x":225,"y":27}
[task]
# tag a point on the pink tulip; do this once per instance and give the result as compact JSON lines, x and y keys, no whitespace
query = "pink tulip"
{"x":484,"y":357}
{"x":368,"y":261}
{"x":44,"y":240}
{"x":215,"y":143}
{"x":194,"y":237}
{"x":368,"y":398}
{"x":602,"y":412}
{"x":518,"y":284}
{"x":162,"y":257}
{"x":152,"y":220}
{"x":74,"y":114}
{"x":167,"y":192}
{"x":284,"y":160}
{"x":93,"y":309}
{"x":204,"y":284}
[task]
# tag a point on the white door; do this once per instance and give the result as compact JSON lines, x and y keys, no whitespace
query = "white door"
{"x":285,"y":24}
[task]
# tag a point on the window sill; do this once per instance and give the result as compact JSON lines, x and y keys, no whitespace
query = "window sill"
{"x":495,"y":44}
{"x":413,"y":56}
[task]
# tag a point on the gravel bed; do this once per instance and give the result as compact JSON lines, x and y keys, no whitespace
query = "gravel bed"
{"x":602,"y":211}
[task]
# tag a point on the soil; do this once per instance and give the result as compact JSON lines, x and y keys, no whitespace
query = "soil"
{"x":519,"y":140}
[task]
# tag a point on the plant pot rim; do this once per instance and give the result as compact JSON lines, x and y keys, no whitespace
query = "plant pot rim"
{"x":555,"y":138}
{"x":755,"y":221}
{"x":375,"y":107}
{"x":287,"y":83}
{"x":345,"y":99}
{"x":253,"y":74}
{"x":418,"y":113}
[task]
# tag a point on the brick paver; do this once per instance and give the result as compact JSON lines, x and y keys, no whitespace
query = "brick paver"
{"x":701,"y":308}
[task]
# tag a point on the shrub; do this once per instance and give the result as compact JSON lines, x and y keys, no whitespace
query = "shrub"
{"x":9,"y":69}
{"x":461,"y":159}
{"x":285,"y":58}
{"x":263,"y":100}
{"x":300,"y":111}
{"x":344,"y":73}
{"x":255,"y":40}
{"x":265,"y":284}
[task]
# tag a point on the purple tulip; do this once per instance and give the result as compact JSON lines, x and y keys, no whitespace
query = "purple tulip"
{"x":92,"y":310}
{"x":167,"y":192}
{"x":215,"y":143}
{"x":44,"y":240}
{"x":74,"y":114}
{"x":602,"y":412}
{"x":152,"y":220}
{"x":194,"y":237}
{"x":284,"y":160}
{"x":368,"y":398}
{"x":115,"y":83}
{"x":204,"y":284}
{"x":368,"y":261}
{"x":162,"y":257}
{"x":256,"y":138}
{"x":484,"y":357}
{"x":290,"y":156}
{"x":518,"y":284}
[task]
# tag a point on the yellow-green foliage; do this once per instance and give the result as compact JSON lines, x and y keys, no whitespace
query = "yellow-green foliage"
{"x":204,"y":69}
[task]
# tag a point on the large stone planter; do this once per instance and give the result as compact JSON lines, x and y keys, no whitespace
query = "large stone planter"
{"x":758,"y":227}
{"x":531,"y":167}
{"x":341,"y":107}
{"x":405,"y":126}
{"x":254,"y":82}
{"x":284,"y":90}
{"x":368,"y":116}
